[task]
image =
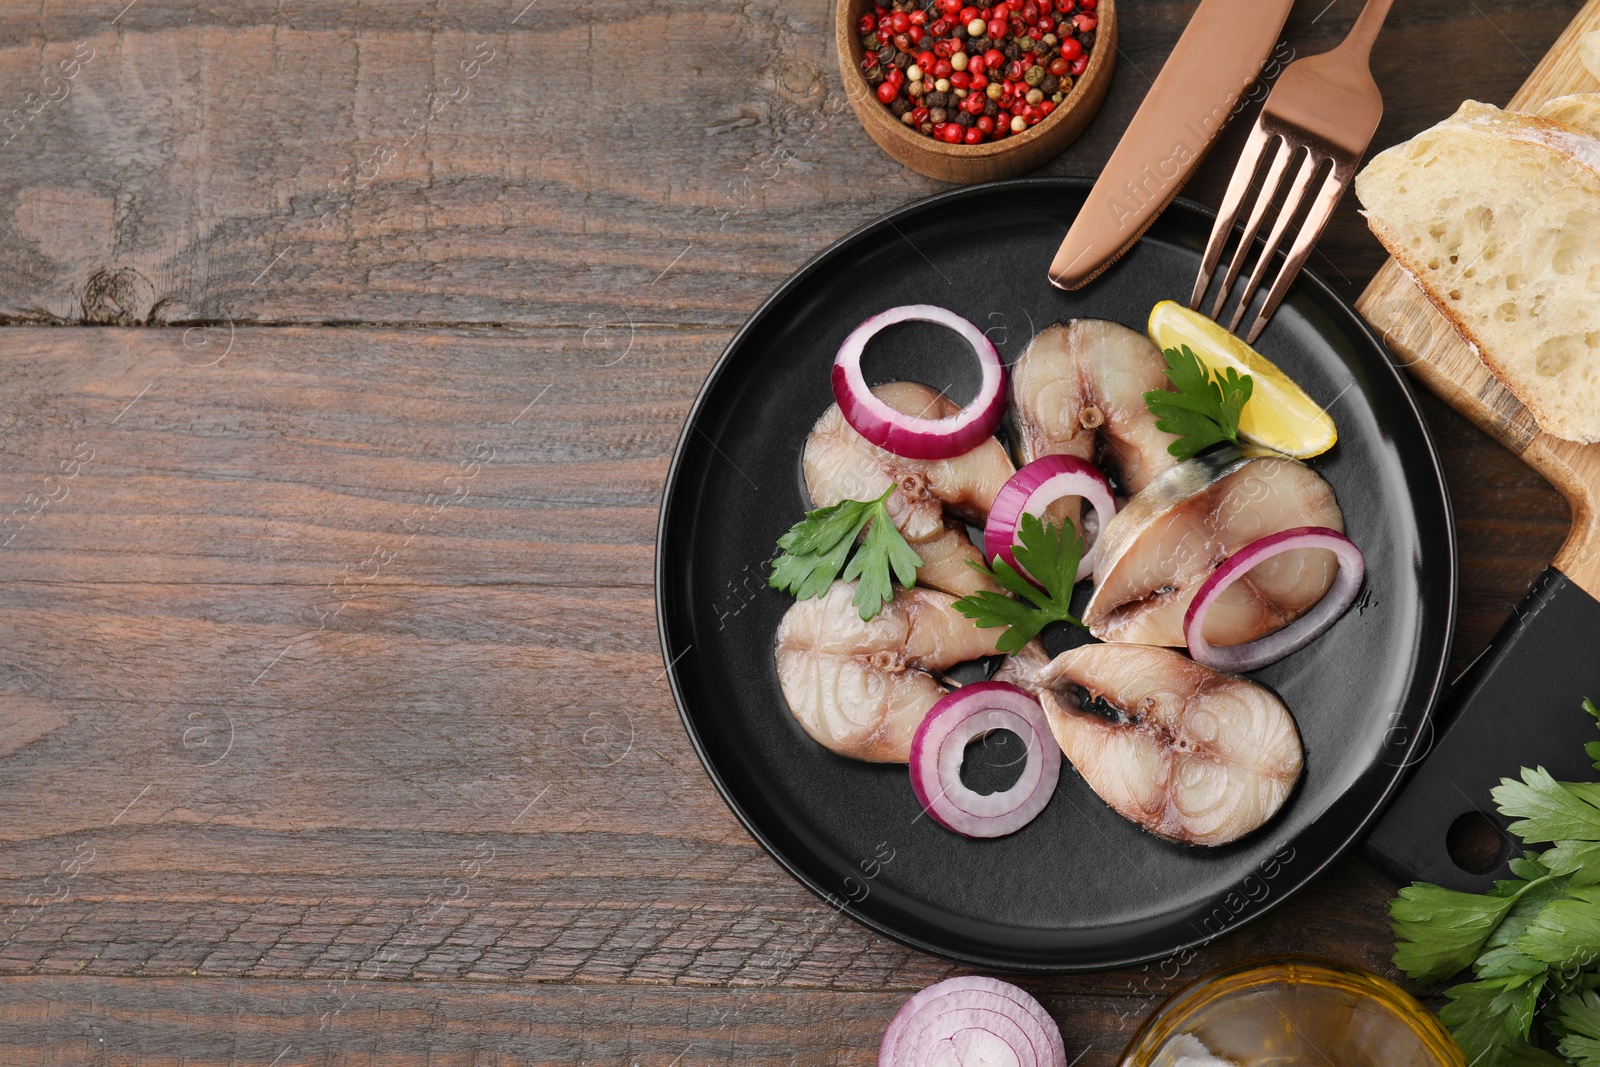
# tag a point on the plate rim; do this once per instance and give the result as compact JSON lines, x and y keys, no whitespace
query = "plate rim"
{"x":1436,"y":686}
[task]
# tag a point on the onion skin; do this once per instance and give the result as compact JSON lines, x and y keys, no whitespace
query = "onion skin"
{"x":1254,"y":655}
{"x":940,"y":743}
{"x":907,"y":435}
{"x":973,"y":1008}
{"x":1032,"y":489}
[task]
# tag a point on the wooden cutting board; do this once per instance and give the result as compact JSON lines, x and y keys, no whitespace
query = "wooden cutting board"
{"x":1425,"y":342}
{"x":1519,"y":706}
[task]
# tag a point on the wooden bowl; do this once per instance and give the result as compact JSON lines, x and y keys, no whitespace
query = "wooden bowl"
{"x":980,"y":162}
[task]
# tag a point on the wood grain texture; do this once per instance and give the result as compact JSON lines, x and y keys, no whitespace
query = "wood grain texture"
{"x":1435,"y":353}
{"x":331,"y":705}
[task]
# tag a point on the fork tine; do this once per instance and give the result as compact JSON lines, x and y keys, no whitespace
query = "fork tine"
{"x":1321,"y":210}
{"x":1258,"y":211}
{"x":1291,"y":204}
{"x":1232,"y":203}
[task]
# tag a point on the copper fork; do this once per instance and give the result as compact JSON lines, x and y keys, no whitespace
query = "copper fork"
{"x":1322,"y":115}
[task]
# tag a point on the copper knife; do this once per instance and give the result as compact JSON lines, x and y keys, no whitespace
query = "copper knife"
{"x":1223,"y":50}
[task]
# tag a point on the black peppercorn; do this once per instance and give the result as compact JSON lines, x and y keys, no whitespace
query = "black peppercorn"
{"x":991,"y":108}
{"x":869,"y":41}
{"x":875,"y":77}
{"x":936,"y":99}
{"x":900,"y":106}
{"x":1050,"y":84}
{"x":1012,"y":50}
{"x":959,"y":33}
{"x":886,"y":54}
{"x":1087,"y":40}
{"x":981,"y":44}
{"x":902,"y":60}
{"x":965,"y":119}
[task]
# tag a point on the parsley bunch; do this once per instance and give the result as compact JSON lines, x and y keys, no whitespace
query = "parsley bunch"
{"x":1051,"y":556}
{"x":1206,"y":407}
{"x":1532,"y":942}
{"x":815,"y":548}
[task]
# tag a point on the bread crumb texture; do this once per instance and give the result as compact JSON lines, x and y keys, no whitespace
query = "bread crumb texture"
{"x":1497,"y":215}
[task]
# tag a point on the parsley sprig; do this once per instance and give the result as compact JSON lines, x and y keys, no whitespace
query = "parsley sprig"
{"x":1051,"y":556}
{"x":1532,"y":942}
{"x":815,"y":548}
{"x":1205,"y":409}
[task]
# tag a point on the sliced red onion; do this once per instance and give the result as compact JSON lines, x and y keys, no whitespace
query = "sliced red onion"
{"x":910,"y":435}
{"x":1307,"y":628}
{"x":940,"y":745}
{"x":1033,"y":489}
{"x":972,"y":1020}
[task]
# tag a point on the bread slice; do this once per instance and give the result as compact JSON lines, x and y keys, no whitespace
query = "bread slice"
{"x":1497,"y":217}
{"x":1581,"y":111}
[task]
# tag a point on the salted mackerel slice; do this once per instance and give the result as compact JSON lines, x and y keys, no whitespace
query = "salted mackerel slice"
{"x":1497,"y":216}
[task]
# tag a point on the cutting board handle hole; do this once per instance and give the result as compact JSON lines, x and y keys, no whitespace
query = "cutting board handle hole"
{"x":1475,"y":843}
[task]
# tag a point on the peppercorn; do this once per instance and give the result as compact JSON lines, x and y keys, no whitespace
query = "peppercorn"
{"x":1050,"y":84}
{"x":1012,"y":50}
{"x":886,"y":55}
{"x":900,"y":106}
{"x":902,"y":60}
{"x":964,"y":120}
{"x":936,"y":115}
{"x":1033,"y":75}
{"x":994,"y":90}
{"x":1066,"y":87}
{"x":925,"y":128}
{"x":1034,"y":97}
{"x":980,"y":45}
{"x":875,"y":77}
{"x":916,"y":88}
{"x":934,"y":98}
{"x":1025,"y":43}
{"x":1087,"y":40}
{"x":991,"y":108}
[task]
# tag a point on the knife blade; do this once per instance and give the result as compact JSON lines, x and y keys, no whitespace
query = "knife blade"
{"x":1222,"y":51}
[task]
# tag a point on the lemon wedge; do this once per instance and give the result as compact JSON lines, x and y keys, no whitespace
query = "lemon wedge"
{"x":1279,"y":414}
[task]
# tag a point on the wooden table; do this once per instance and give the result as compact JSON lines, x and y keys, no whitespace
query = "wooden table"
{"x":345,"y":346}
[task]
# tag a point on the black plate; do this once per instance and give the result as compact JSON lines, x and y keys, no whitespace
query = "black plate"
{"x":1080,"y":888}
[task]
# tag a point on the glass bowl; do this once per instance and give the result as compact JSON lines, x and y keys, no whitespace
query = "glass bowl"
{"x":1277,"y":1012}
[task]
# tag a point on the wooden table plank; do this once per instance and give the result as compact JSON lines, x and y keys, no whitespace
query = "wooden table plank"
{"x":272,"y":162}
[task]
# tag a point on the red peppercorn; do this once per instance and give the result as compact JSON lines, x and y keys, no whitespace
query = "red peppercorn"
{"x":885,"y":34}
{"x":1058,"y":66}
{"x":1046,"y":24}
{"x":977,"y":65}
{"x":1047,"y":107}
{"x":939,"y":27}
{"x":866,"y":25}
{"x":919,"y":115}
{"x":1030,"y":12}
{"x":895,"y":77}
{"x":1030,"y":115}
{"x":887,"y":92}
{"x":943,"y":69}
{"x":1066,"y":7}
{"x":984,"y":123}
{"x":1079,"y":65}
{"x":979,"y":81}
{"x":996,"y":29}
{"x":973,"y":104}
{"x":943,"y":49}
{"x":900,"y":21}
{"x":869,"y":62}
{"x":925,"y":59}
{"x":1089,"y":5}
{"x":1071,"y":49}
{"x":919,"y":18}
{"x":952,"y":132}
{"x":1015,"y":70}
{"x":960,"y":79}
{"x":994,"y":59}
{"x":968,"y":13}
{"x":1085,"y":22}
{"x":916,"y":33}
{"x":951,"y":8}
{"x":973,"y":135}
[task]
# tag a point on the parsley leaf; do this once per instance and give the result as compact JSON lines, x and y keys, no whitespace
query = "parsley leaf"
{"x":1206,"y":407}
{"x":815,"y":549}
{"x":1051,"y":556}
{"x":1441,"y":931}
{"x":1578,"y":1019}
{"x":1548,"y":810}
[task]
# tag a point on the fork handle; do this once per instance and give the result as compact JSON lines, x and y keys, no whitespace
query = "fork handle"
{"x":1368,"y":23}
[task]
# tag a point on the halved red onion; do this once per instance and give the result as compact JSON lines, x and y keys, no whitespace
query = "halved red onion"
{"x":910,"y":435}
{"x":1298,"y":634}
{"x":1034,"y":488}
{"x":940,"y":745}
{"x":972,"y":1020}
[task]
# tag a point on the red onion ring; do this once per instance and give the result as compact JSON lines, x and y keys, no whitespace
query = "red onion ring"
{"x":972,"y":1020}
{"x":1298,"y":634}
{"x":941,"y":742}
{"x":1034,"y":488}
{"x":910,"y":435}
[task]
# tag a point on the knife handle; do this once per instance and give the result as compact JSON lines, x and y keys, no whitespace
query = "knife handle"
{"x":1519,"y":706}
